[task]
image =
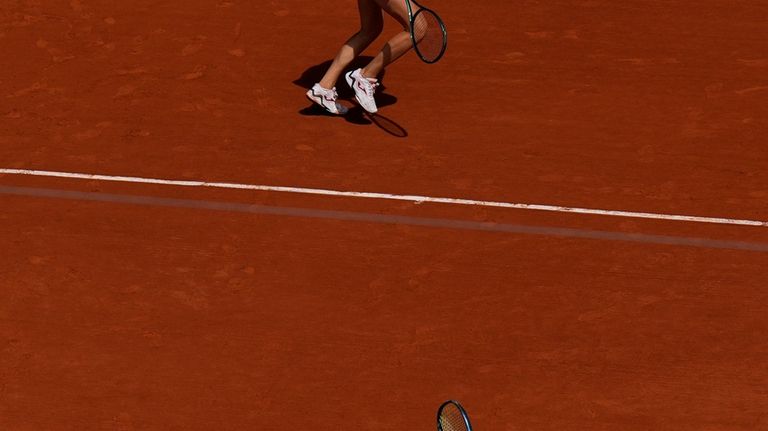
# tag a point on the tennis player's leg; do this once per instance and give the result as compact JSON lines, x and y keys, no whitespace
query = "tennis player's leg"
{"x":398,"y":45}
{"x":364,"y":81}
{"x":371,"y":24}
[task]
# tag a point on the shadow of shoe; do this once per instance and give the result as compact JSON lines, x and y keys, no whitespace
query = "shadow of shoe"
{"x":355,"y":115}
{"x":315,"y":111}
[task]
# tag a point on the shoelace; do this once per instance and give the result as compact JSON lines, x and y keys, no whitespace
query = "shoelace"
{"x":373,"y":84}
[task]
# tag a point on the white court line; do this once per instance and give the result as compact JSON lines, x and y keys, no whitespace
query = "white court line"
{"x":368,"y":195}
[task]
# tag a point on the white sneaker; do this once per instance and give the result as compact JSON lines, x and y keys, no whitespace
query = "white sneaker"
{"x":327,"y":99}
{"x":364,"y":89}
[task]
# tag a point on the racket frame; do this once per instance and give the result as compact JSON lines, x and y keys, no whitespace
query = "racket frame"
{"x":412,"y":21}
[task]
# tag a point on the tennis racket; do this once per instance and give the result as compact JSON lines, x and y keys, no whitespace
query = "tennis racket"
{"x":428,"y":33}
{"x":451,"y":416}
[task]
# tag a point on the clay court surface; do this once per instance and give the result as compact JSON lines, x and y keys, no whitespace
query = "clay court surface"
{"x":133,"y":306}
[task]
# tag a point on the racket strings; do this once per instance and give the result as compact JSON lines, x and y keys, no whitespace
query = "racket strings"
{"x":428,"y":33}
{"x":451,"y":419}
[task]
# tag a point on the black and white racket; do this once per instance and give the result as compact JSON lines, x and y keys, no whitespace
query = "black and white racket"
{"x":428,"y":33}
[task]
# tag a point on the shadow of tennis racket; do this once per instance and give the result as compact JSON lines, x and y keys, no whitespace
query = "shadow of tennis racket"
{"x":359,"y":116}
{"x":386,"y":124}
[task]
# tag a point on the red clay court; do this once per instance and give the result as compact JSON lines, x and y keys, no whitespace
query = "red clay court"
{"x":234,"y":282}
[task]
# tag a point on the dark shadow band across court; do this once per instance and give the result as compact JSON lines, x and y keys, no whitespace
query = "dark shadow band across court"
{"x":384,"y":218}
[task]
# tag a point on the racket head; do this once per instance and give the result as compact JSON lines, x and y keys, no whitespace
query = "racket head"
{"x":451,"y":416}
{"x":429,"y":35}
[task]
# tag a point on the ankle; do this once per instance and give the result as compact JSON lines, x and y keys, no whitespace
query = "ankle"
{"x":367,"y":74}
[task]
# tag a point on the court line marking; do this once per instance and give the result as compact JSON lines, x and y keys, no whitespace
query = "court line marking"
{"x":386,"y":219}
{"x":369,"y":195}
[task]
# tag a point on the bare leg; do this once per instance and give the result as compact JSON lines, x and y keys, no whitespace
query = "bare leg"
{"x":395,"y":47}
{"x":371,"y":24}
